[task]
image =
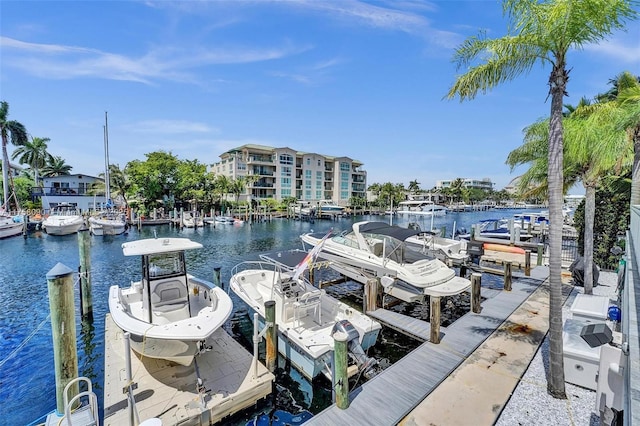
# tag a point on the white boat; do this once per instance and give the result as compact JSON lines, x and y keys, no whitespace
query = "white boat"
{"x":497,"y":229}
{"x":169,"y":312}
{"x":421,"y":207}
{"x":328,"y":207}
{"x":63,"y":220}
{"x":306,"y":316}
{"x":380,"y":249}
{"x":304,"y":208}
{"x":108,"y":223}
{"x":449,"y":250}
{"x":9,"y":227}
{"x":228,"y":220}
{"x":191,"y":220}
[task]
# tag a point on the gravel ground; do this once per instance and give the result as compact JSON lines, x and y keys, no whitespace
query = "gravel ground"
{"x":530,"y":404}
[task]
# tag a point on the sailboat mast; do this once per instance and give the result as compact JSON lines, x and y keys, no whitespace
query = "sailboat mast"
{"x":107,"y":180}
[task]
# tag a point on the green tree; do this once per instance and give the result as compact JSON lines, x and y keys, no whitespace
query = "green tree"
{"x":542,"y":32}
{"x":155,"y":179}
{"x":34,"y":153}
{"x":414,"y":187}
{"x":57,"y":166}
{"x":18,"y":134}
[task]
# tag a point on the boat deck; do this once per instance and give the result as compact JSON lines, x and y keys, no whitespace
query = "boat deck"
{"x":168,"y":391}
{"x":402,"y":387}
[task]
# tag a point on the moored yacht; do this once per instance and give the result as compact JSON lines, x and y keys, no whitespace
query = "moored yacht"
{"x":64,"y":220}
{"x":306,"y":316}
{"x":380,"y":249}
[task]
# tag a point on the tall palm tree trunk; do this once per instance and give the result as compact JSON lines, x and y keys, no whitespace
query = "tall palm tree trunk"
{"x":557,"y":82}
{"x":5,"y":174}
{"x":635,"y":176}
{"x":589,"y":220}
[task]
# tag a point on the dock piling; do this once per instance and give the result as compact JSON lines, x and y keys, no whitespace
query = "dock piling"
{"x":272,"y":338}
{"x":340,"y":374}
{"x":86,"y":303}
{"x":507,"y":276}
{"x":527,"y":263}
{"x":434,"y":313}
{"x":370,"y":299}
{"x":63,"y":331}
{"x":476,"y":281}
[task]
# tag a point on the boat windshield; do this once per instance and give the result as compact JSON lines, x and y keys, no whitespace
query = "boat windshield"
{"x":164,"y":265}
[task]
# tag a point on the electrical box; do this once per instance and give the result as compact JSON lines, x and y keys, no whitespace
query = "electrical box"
{"x":590,"y":308}
{"x":581,"y":361}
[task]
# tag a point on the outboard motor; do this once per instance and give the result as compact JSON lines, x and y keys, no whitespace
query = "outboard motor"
{"x":356,"y":353}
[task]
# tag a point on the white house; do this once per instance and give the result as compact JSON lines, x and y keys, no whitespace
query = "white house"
{"x":73,"y":189}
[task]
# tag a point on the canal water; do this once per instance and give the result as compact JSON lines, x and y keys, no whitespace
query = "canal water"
{"x":27,"y":378}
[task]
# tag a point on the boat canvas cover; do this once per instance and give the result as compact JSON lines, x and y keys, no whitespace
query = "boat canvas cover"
{"x":383,"y":228}
{"x":287,"y":259}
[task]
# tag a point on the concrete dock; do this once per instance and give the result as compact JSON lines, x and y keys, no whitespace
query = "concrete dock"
{"x":169,"y":392}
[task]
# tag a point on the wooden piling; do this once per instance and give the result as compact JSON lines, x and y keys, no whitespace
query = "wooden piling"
{"x":63,"y":328}
{"x":271,"y":360}
{"x":84,"y":246}
{"x":507,"y":276}
{"x":540,"y":254}
{"x":434,"y":312}
{"x":463,"y":271}
{"x":527,"y":263}
{"x":340,"y":374}
{"x":216,"y":277}
{"x":370,"y":299}
{"x":476,"y":282}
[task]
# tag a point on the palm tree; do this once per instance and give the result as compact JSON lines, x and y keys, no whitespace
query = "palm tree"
{"x":34,"y":153}
{"x":414,"y":187}
{"x":56,"y":167}
{"x":18,"y":137}
{"x":542,"y":32}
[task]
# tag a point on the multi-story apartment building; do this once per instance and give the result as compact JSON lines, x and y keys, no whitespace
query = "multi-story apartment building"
{"x":280,"y":173}
{"x":484,"y":183}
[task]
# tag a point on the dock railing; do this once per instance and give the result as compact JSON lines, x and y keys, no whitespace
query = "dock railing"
{"x":630,"y":325}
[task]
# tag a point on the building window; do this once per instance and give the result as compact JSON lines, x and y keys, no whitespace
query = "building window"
{"x":345,"y":166}
{"x":286,"y":159}
{"x":286,"y":171}
{"x":308,"y":161}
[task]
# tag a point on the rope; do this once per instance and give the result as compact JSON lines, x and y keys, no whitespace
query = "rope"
{"x":25,"y":341}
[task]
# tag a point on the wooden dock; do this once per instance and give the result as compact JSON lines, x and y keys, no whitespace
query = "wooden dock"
{"x":168,"y":391}
{"x":396,"y":391}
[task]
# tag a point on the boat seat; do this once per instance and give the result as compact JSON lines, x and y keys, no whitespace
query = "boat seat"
{"x":169,"y":301}
{"x":309,"y":302}
{"x":377,"y":248}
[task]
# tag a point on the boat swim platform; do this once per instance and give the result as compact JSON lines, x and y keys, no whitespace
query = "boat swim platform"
{"x":168,"y":391}
{"x":400,"y":389}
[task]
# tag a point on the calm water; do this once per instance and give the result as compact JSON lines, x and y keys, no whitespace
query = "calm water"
{"x":27,"y":379}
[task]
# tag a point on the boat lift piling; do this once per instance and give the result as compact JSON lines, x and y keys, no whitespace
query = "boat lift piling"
{"x":340,"y":370}
{"x":271,"y":360}
{"x":507,"y":276}
{"x":63,"y":331}
{"x":84,"y":246}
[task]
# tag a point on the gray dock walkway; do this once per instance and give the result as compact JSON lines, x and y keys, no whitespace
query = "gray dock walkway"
{"x":389,"y":397}
{"x":168,"y":391}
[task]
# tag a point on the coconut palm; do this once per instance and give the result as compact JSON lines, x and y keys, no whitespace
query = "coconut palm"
{"x":56,"y":167}
{"x":18,"y":134}
{"x":35,"y":154}
{"x":541,"y":32}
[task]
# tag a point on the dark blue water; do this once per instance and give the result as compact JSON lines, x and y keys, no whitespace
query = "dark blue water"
{"x":27,"y":378}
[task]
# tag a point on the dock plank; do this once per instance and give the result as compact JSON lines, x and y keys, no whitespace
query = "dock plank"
{"x":401,"y":387}
{"x":168,"y":391}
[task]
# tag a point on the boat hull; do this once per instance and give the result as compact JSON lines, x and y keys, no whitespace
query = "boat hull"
{"x":100,"y":227}
{"x":61,"y":225}
{"x":11,"y":229}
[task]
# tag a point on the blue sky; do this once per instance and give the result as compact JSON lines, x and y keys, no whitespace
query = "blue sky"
{"x":346,"y":78}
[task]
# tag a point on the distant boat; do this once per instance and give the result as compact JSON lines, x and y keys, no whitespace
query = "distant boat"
{"x":169,"y":312}
{"x":107,"y":222}
{"x":329,"y":207}
{"x":449,"y":250}
{"x":421,"y":207}
{"x":9,"y":227}
{"x":496,"y":228}
{"x":64,"y":220}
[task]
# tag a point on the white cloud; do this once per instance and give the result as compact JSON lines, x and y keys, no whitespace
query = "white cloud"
{"x":617,"y":50}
